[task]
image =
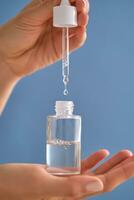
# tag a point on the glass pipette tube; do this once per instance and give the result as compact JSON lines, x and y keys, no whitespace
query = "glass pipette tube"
{"x":65,"y":58}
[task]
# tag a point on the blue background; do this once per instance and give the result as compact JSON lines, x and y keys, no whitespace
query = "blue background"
{"x":101,"y":86}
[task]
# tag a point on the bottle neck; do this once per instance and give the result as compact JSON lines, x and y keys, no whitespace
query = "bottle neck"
{"x":65,"y":2}
{"x":64,"y":108}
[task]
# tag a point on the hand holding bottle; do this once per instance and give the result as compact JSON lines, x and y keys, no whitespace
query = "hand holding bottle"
{"x":33,"y":182}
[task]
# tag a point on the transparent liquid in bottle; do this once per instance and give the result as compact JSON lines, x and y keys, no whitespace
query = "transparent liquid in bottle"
{"x":63,"y":157}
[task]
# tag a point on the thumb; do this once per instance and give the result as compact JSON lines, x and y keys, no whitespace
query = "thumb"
{"x":74,"y":186}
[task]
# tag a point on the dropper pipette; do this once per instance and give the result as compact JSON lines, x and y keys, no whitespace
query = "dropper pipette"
{"x":65,"y":17}
{"x":65,"y":58}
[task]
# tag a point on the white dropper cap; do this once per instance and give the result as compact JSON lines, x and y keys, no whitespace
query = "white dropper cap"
{"x":65,"y":15}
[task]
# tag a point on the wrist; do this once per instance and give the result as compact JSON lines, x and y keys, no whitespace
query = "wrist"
{"x":8,"y":80}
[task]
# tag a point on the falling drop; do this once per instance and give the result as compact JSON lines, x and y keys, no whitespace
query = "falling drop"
{"x":65,"y":92}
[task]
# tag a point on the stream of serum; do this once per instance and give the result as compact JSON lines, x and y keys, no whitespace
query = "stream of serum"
{"x":65,"y":58}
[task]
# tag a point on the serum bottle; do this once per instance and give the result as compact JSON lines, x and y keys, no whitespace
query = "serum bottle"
{"x":63,"y":149}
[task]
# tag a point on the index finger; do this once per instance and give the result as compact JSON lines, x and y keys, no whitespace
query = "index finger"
{"x":94,"y":159}
{"x":82,"y":5}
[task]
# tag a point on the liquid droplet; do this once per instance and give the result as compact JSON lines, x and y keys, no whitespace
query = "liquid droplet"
{"x":65,"y":92}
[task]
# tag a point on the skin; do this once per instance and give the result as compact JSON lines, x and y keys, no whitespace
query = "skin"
{"x":29,"y":42}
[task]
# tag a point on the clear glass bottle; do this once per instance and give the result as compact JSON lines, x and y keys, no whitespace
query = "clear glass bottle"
{"x":63,"y":149}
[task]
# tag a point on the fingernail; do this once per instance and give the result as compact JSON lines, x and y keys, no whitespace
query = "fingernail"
{"x":94,"y":186}
{"x":128,"y":151}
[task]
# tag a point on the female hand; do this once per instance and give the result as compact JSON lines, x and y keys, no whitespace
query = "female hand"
{"x":33,"y":182}
{"x":29,"y":41}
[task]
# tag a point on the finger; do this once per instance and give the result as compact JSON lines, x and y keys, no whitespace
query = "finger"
{"x":128,"y":160}
{"x":81,"y":5}
{"x":78,"y":39}
{"x":83,"y":19}
{"x":93,"y":159}
{"x":74,"y":186}
{"x":115,"y":160}
{"x":117,"y":176}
